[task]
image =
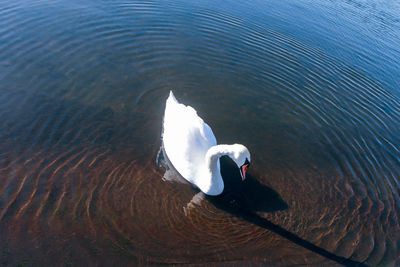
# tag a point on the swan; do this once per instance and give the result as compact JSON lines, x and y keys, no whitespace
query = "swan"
{"x":191,"y":147}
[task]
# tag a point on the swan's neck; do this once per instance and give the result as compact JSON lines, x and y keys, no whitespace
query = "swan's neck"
{"x":213,"y":169}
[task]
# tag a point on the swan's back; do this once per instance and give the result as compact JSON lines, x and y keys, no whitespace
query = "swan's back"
{"x":186,"y":138}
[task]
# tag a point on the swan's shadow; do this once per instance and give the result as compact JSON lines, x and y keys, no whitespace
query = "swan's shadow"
{"x":249,"y":194}
{"x":244,"y":199}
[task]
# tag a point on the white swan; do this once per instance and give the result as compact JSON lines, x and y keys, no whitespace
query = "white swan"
{"x":191,"y":147}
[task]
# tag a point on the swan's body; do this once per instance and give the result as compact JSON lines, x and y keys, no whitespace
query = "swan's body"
{"x":191,"y":147}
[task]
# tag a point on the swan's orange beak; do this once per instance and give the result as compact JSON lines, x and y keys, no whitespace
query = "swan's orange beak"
{"x":243,"y":170}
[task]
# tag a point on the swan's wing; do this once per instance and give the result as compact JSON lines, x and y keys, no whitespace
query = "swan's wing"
{"x":186,"y":138}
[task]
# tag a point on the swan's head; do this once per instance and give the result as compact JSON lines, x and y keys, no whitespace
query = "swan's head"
{"x":241,"y":156}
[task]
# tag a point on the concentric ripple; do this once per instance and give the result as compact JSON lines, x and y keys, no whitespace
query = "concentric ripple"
{"x":83,"y":86}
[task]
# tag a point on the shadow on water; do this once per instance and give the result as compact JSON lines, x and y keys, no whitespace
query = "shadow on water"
{"x":245,"y":212}
{"x":250,"y":193}
{"x":244,"y":199}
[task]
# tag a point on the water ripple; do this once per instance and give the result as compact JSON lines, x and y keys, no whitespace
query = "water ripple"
{"x":82,"y":94}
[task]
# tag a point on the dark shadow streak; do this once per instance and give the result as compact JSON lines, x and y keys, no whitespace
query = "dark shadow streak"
{"x":253,"y":218}
{"x":244,"y":199}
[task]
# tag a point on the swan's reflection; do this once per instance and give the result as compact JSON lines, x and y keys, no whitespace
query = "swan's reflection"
{"x":194,"y":202}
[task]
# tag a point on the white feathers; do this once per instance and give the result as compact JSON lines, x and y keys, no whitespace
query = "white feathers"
{"x":192,"y":149}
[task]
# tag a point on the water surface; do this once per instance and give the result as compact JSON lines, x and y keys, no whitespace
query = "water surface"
{"x":312,"y":89}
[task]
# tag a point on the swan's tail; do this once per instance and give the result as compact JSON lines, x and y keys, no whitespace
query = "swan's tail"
{"x":172,"y":97}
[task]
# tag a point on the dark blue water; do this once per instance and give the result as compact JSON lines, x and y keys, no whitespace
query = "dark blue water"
{"x":311,"y":88}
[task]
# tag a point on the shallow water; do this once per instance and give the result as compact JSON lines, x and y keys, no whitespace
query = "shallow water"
{"x":311,"y":89}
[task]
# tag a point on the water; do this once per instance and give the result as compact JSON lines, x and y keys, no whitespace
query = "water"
{"x":311,"y":89}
